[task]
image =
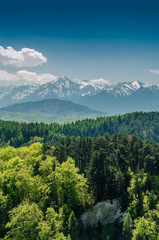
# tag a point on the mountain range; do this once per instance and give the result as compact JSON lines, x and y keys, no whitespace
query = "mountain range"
{"x":97,"y":94}
{"x":62,"y":88}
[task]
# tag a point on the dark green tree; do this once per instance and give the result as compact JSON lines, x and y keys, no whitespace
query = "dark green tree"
{"x":73,"y":226}
{"x":127,"y":227}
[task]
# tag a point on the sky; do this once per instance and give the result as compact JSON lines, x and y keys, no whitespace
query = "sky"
{"x":115,"y":40}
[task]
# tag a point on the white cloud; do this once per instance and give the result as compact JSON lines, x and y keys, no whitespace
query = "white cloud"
{"x":24,"y":77}
{"x":34,"y":78}
{"x":8,"y":77}
{"x":26,"y":57}
{"x":154,"y":71}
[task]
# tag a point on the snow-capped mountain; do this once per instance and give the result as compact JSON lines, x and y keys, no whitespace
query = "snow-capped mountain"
{"x":127,"y":88}
{"x":97,"y":94}
{"x":61,"y":87}
{"x":126,"y":97}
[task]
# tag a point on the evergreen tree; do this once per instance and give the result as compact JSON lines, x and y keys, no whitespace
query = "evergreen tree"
{"x":73,"y":226}
{"x":69,"y":237}
{"x":127,"y":227}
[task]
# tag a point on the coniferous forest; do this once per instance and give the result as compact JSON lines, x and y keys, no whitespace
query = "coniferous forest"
{"x":92,"y":179}
{"x":141,"y":124}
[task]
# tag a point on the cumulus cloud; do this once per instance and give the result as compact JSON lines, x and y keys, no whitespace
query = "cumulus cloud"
{"x":26,"y":57}
{"x":24,"y":77}
{"x":154,"y":71}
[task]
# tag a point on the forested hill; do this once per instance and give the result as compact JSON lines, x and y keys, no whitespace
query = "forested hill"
{"x":48,"y":111}
{"x":51,"y":106}
{"x":143,"y":125}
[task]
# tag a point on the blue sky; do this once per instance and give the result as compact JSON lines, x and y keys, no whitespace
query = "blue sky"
{"x":115,"y":40}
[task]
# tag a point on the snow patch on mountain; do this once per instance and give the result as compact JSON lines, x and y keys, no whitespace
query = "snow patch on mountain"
{"x":127,"y":88}
{"x":99,"y":83}
{"x":19,"y":96}
{"x":80,"y":82}
{"x":136,"y":84}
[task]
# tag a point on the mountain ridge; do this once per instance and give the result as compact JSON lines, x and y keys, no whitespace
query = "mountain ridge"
{"x":47,"y":111}
{"x":83,"y":92}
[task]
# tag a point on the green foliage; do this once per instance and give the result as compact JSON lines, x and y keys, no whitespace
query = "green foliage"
{"x":116,"y":167}
{"x":143,"y":125}
{"x":69,"y":237}
{"x":127,"y":227}
{"x":37,"y":193}
{"x":24,"y":221}
{"x":73,"y":226}
{"x":104,"y":233}
{"x":145,"y":229}
{"x":70,"y":185}
{"x":44,"y":189}
{"x":53,"y":226}
{"x":143,"y":193}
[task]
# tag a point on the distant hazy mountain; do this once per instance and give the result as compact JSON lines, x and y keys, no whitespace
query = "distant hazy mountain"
{"x":97,"y":94}
{"x":47,"y":111}
{"x":126,"y":97}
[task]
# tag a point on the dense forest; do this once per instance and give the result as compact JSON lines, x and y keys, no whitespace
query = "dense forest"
{"x":143,"y":125}
{"x":86,"y":188}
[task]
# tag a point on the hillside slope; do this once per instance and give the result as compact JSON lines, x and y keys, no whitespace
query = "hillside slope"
{"x":143,"y":125}
{"x":47,"y":111}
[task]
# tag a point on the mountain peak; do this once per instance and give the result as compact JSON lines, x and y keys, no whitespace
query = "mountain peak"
{"x":136,"y":84}
{"x":65,"y":78}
